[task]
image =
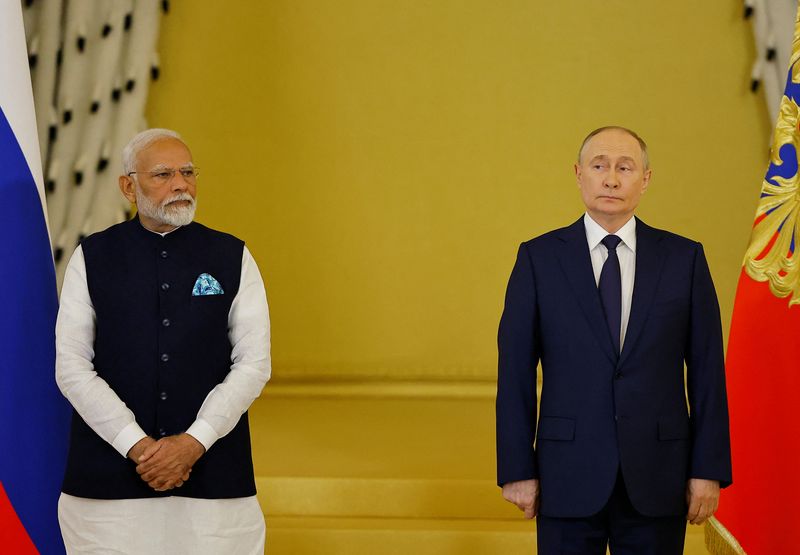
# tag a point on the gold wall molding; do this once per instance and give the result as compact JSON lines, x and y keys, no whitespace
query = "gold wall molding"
{"x":356,"y":536}
{"x":413,"y":370}
{"x":401,"y":498}
{"x":375,"y":388}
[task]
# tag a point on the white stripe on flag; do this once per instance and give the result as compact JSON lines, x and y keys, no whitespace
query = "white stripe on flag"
{"x":16,"y":93}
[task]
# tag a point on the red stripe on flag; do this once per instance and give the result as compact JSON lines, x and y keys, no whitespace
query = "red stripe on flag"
{"x":13,"y":537}
{"x":761,"y":507}
{"x":769,"y":246}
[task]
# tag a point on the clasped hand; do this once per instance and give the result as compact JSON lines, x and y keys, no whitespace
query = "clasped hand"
{"x":166,"y":463}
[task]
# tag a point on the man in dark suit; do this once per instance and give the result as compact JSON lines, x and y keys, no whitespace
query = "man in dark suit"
{"x":613,"y":309}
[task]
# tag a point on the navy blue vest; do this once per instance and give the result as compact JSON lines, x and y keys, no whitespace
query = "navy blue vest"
{"x":161,"y":350}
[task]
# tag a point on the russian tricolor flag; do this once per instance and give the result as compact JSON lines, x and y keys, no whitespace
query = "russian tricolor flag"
{"x":33,"y":415}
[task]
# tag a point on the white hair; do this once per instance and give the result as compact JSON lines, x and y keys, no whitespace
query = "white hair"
{"x":140,"y":142}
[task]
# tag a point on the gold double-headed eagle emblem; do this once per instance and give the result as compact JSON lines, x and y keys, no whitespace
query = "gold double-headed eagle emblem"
{"x":772,"y":254}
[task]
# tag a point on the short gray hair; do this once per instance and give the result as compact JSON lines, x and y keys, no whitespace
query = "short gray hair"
{"x":642,"y":144}
{"x":141,"y":141}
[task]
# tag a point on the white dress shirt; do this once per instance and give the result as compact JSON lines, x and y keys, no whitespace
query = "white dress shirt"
{"x":102,"y":526}
{"x":626,"y":252}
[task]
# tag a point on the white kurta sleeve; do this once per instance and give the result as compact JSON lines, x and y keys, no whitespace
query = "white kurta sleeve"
{"x":248,"y":331}
{"x":89,"y":394}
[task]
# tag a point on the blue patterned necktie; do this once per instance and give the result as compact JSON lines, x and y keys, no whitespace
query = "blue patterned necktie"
{"x":610,"y":287}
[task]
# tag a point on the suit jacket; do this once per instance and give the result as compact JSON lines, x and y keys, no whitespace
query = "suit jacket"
{"x":603,"y":412}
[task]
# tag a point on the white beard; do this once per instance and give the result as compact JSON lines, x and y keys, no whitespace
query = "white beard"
{"x":164,"y":213}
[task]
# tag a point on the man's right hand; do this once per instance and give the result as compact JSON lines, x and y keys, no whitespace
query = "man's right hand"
{"x":166,"y":464}
{"x":524,"y":494}
{"x":139,"y":448}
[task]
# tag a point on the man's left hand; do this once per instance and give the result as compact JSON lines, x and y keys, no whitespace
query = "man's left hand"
{"x":166,"y":464}
{"x":702,"y":496}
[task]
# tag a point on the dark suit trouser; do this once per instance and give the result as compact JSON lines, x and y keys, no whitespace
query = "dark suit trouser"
{"x":618,"y":525}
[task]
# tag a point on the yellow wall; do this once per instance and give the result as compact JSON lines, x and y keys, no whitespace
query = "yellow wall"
{"x":383,"y":159}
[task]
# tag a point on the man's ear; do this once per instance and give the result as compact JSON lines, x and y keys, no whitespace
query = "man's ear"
{"x":128,"y":188}
{"x":646,"y":180}
{"x":578,"y":174}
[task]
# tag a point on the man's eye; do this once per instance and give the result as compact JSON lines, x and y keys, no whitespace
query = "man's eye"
{"x":625,"y":169}
{"x":161,"y":175}
{"x":188,"y":174}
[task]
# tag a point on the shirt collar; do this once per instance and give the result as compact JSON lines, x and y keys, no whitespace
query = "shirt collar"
{"x":162,"y":233}
{"x":595,"y":232}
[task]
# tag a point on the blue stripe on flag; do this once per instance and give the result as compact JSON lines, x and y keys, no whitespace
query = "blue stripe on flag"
{"x":34,"y":417}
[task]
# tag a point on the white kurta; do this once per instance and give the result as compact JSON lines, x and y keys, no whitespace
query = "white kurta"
{"x":173,"y":525}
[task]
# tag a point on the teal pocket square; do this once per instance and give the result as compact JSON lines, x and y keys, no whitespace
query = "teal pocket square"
{"x":206,"y":285}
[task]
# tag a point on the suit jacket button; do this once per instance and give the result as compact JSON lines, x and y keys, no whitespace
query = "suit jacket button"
{"x":618,"y":375}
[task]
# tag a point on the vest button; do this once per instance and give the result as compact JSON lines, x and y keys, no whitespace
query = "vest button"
{"x":162,"y":432}
{"x":164,"y":286}
{"x":163,"y":396}
{"x":164,"y":254}
{"x":164,"y":357}
{"x":618,"y":375}
{"x":165,"y":322}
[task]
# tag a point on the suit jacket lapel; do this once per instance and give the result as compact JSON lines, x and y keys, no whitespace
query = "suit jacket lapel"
{"x":577,"y":266}
{"x":649,"y":259}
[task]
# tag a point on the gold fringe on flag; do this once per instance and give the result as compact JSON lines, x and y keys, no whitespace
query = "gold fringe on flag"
{"x":719,"y":541}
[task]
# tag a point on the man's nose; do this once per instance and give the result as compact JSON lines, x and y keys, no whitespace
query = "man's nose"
{"x":179,"y":182}
{"x":611,"y":180}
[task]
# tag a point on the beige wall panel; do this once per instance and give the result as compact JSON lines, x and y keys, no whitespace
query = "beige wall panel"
{"x":384,"y":159}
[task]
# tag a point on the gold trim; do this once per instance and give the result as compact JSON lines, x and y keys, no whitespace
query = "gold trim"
{"x":381,"y":389}
{"x":772,"y":263}
{"x":719,"y":541}
{"x":417,"y":498}
{"x":796,"y":51}
{"x":326,"y":370}
{"x":778,"y":214}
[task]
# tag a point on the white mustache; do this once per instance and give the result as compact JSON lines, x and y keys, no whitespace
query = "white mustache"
{"x":177,"y":198}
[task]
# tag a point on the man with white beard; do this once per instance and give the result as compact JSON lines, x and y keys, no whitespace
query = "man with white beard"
{"x":162,"y":345}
